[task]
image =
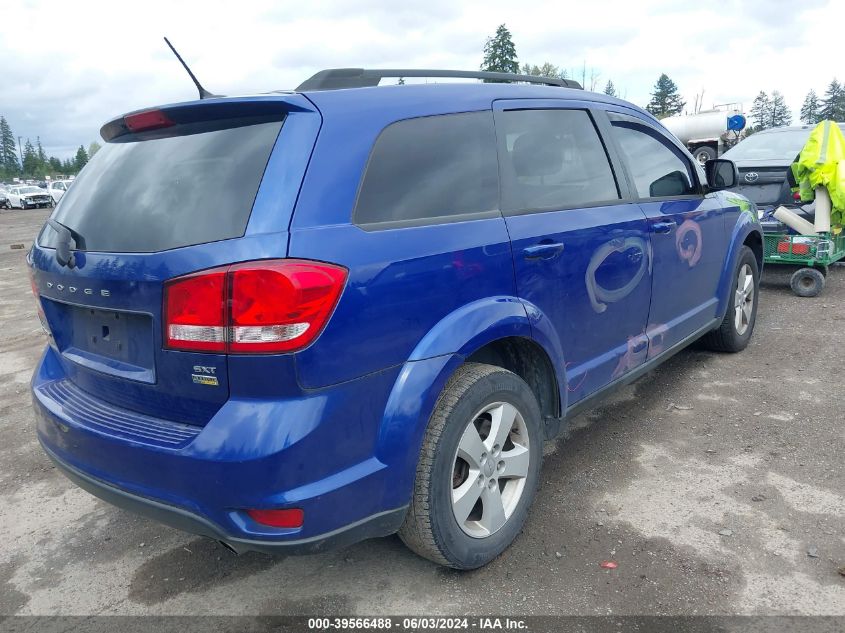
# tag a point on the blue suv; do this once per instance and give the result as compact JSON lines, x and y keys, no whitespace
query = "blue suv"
{"x":297,"y":320}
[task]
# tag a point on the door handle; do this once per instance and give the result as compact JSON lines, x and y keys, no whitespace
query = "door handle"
{"x":664,"y":227}
{"x":543,"y":251}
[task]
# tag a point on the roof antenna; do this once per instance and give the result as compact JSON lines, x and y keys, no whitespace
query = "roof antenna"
{"x":204,"y":94}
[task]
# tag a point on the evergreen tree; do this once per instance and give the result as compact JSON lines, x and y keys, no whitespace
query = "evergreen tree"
{"x":81,"y":159}
{"x":30,"y":160}
{"x":500,"y":53}
{"x":665,"y":100}
{"x":55,"y":165}
{"x":779,"y":113}
{"x":610,"y":89}
{"x":42,"y":166}
{"x":811,"y":109}
{"x":9,"y":165}
{"x":833,"y":104}
{"x":42,"y":157}
{"x":760,"y":111}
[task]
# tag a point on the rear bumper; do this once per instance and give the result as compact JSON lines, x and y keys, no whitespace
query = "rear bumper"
{"x":317,"y":452}
{"x":380,"y":524}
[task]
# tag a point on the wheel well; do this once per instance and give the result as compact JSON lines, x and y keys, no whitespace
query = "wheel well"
{"x":530,"y":362}
{"x":755,"y":243}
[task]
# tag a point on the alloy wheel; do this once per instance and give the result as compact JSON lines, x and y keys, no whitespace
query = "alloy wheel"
{"x":744,"y":299}
{"x":490,"y":469}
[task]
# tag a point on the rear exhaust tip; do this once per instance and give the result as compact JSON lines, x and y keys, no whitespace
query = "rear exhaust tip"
{"x":228,"y":547}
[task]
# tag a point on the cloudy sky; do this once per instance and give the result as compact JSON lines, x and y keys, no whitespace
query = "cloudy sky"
{"x":67,"y":68}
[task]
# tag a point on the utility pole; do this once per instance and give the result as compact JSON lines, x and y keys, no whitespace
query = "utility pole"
{"x":20,"y":153}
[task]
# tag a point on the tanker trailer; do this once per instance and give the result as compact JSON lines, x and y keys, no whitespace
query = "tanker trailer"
{"x":708,"y":133}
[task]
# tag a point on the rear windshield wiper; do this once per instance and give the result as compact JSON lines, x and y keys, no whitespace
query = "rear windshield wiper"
{"x":68,"y":239}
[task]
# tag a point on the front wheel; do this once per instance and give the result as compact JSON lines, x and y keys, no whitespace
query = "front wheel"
{"x":734,"y":333}
{"x":478,"y":469}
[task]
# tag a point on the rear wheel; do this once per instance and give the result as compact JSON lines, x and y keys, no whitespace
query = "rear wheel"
{"x":478,"y":469}
{"x":807,"y":282}
{"x":735,"y":331}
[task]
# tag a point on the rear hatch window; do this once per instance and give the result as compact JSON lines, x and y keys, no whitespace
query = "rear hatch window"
{"x":156,"y":194}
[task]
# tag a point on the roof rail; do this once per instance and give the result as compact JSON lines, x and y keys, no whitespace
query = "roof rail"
{"x":335,"y":78}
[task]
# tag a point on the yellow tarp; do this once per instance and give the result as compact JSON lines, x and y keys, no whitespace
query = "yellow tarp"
{"x":822,"y":163}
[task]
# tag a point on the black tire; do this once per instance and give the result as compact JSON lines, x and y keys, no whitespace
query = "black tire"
{"x":704,"y":153}
{"x":807,"y":282}
{"x":431,"y":528}
{"x":727,"y":337}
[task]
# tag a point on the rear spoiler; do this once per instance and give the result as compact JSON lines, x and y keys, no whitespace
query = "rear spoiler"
{"x":196,"y":116}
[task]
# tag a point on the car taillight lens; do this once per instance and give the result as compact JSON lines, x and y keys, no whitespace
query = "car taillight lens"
{"x":32,"y":283}
{"x":281,"y":306}
{"x":256,"y":307}
{"x":36,"y":294}
{"x":195,"y":312}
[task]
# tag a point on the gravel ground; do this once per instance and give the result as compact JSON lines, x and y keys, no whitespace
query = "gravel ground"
{"x":715,"y":482}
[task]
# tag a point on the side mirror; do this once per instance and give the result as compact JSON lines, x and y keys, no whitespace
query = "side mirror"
{"x":673,"y":184}
{"x":721,"y":174}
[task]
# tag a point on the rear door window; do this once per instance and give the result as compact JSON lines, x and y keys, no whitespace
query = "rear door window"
{"x":431,"y":169}
{"x":552,"y":159}
{"x":163,"y":193}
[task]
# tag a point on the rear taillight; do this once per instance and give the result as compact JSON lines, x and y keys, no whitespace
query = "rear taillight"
{"x":34,"y":285}
{"x":195,"y":312}
{"x":38,"y":307}
{"x":269,"y":306}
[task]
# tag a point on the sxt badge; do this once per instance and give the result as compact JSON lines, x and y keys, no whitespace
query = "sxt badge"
{"x":204,"y":375}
